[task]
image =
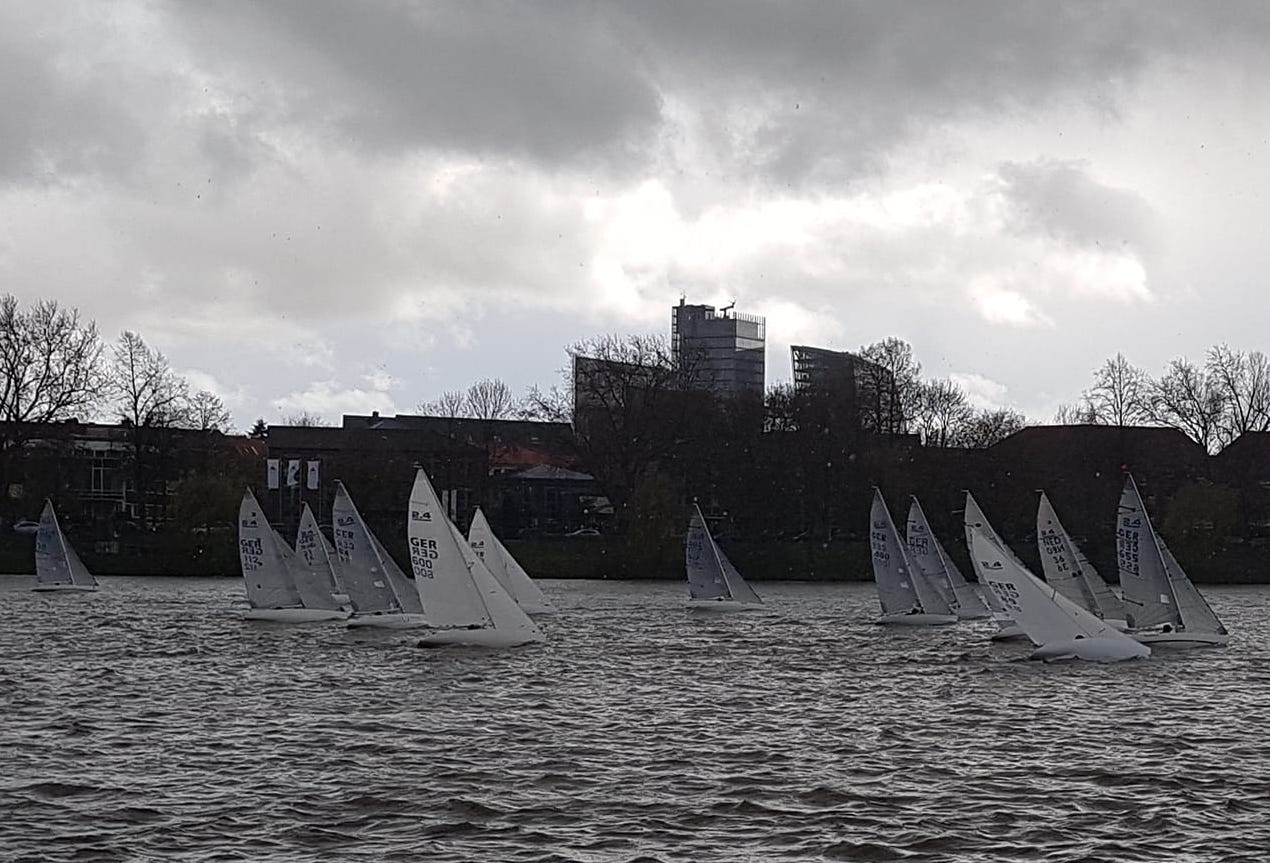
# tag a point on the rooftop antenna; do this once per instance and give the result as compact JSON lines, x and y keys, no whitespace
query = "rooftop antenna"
{"x":724,"y":311}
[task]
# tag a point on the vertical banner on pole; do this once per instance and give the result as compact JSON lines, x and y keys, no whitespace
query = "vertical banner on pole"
{"x":313,"y":475}
{"x":274,"y":467}
{"x":293,"y":473}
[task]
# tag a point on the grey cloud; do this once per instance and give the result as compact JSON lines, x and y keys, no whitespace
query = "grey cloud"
{"x":1061,"y":200}
{"x":547,"y":82}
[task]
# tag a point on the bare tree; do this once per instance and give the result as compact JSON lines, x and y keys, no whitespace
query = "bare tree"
{"x":1189,"y":398}
{"x":1244,"y":383}
{"x":50,"y":362}
{"x":147,"y":392}
{"x":631,"y":402}
{"x":207,"y":412}
{"x":1081,"y":414}
{"x":552,"y":405}
{"x":941,"y":411}
{"x":150,"y":400}
{"x":890,"y":386}
{"x":304,"y":419}
{"x":1120,"y":394}
{"x":451,"y":404}
{"x":489,"y":399}
{"x":991,"y":426}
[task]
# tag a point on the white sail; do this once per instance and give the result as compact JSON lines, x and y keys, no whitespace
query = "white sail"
{"x":711,"y":576}
{"x":976,"y":520}
{"x":1157,"y":591}
{"x":1068,"y":570}
{"x":457,"y":589}
{"x":314,"y":571}
{"x":1059,"y":627}
{"x":504,"y":567}
{"x":56,"y":563}
{"x":1148,"y":595}
{"x":266,"y":573}
{"x":930,"y":558}
{"x":1197,"y":615}
{"x":364,"y":579}
{"x":706,"y":580}
{"x":738,"y":586}
{"x":902,"y":589}
{"x":921,"y":550}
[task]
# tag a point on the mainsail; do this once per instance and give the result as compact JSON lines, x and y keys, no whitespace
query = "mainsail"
{"x":314,"y":570}
{"x":1157,"y":591}
{"x":1068,"y":570}
{"x":711,"y":576}
{"x":362,"y":571}
{"x":56,"y":563}
{"x":930,"y":558}
{"x":266,"y":573}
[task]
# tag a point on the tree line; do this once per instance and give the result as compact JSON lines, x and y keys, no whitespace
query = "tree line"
{"x":55,"y":366}
{"x":1213,"y":402}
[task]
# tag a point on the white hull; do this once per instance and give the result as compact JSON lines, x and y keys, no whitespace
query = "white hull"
{"x":1011,"y":632}
{"x":916,"y":619}
{"x":477,"y":638}
{"x":387,"y":621}
{"x":49,"y":588}
{"x":294,"y":615}
{"x":1180,"y":640}
{"x":721,"y":605}
{"x":1091,"y":649}
{"x":963,"y":614}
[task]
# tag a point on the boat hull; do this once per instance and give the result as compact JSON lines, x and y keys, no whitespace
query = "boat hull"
{"x":916,"y":619}
{"x":1180,"y":640}
{"x":387,"y":621}
{"x":69,"y":588}
{"x":1091,"y":650}
{"x":1010,"y":632}
{"x":477,"y":638}
{"x":294,"y":615}
{"x":723,"y":606}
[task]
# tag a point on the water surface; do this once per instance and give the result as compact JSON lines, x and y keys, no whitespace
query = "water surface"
{"x":148,"y":722}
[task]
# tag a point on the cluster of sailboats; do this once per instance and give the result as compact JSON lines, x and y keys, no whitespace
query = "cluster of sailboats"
{"x":465,"y":590}
{"x":470,"y":590}
{"x":1072,"y":613}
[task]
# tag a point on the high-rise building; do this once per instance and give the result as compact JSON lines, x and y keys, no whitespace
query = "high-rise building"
{"x":859,"y":392}
{"x":724,"y":348}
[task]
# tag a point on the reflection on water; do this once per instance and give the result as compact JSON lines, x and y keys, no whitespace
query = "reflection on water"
{"x":148,"y":722}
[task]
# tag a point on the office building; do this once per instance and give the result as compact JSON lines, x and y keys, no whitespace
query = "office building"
{"x":723,"y":348}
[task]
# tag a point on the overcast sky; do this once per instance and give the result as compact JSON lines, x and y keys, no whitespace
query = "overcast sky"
{"x":353,"y":206}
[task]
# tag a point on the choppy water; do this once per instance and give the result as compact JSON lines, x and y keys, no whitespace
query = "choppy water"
{"x":146,"y":722}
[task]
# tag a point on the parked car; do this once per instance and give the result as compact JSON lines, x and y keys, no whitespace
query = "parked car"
{"x":26,"y":526}
{"x":583,"y":531}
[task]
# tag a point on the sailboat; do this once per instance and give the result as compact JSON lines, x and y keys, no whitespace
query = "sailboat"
{"x":907,"y":598}
{"x":510,"y":574}
{"x":462,"y":599}
{"x":1060,"y":628}
{"x":1163,"y":607}
{"x":269,"y":572}
{"x":57,"y":566}
{"x":927,"y":553}
{"x":713,"y":582}
{"x":381,"y":595}
{"x":314,"y":571}
{"x":1070,"y":572}
{"x":1007,"y":629}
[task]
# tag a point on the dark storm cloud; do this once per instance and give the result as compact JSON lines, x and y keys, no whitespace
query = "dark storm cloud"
{"x":1061,"y":200}
{"x":547,"y":82}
